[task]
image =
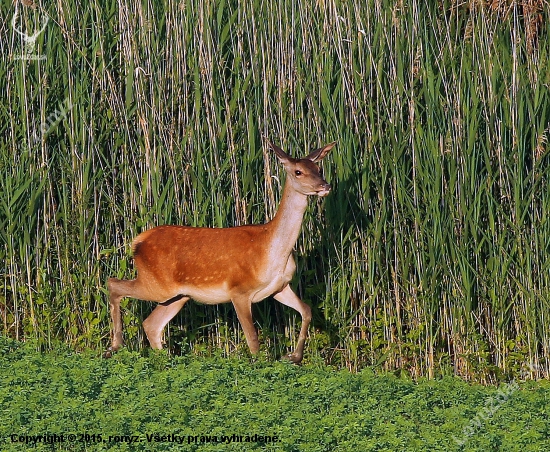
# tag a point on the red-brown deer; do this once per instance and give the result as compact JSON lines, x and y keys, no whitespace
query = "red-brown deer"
{"x":242,"y":264}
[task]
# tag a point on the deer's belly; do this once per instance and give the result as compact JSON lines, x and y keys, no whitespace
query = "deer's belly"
{"x":214,"y":290}
{"x":208,"y":295}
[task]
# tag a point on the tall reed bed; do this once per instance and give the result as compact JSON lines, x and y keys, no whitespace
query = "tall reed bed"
{"x":430,"y":255}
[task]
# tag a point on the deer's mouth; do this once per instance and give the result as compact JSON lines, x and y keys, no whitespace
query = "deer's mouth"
{"x":323,"y":191}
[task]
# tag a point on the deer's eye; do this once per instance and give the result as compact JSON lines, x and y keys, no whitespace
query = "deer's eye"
{"x":298,"y":173}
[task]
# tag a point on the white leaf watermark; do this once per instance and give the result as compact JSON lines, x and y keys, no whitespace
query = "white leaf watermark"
{"x":29,"y":40}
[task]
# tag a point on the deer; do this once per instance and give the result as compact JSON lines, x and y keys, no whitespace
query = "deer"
{"x":241,"y":264}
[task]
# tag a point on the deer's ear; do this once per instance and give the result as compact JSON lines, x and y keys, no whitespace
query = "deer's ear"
{"x":281,"y":155}
{"x":321,"y":153}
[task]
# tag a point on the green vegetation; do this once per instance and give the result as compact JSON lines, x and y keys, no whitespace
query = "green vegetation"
{"x":430,"y":255}
{"x":310,"y":408}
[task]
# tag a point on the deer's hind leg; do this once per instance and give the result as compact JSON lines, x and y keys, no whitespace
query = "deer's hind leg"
{"x":156,"y":322}
{"x":118,"y":289}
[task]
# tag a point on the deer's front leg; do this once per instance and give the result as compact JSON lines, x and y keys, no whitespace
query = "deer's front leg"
{"x":289,"y":298}
{"x":243,"y":306}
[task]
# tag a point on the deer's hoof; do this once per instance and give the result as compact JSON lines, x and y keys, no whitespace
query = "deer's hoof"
{"x":293,"y":358}
{"x":110,"y":352}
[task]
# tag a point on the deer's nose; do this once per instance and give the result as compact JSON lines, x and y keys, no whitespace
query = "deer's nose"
{"x":324,"y":189}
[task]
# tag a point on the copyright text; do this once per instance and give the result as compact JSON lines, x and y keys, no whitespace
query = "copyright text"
{"x":147,"y":438}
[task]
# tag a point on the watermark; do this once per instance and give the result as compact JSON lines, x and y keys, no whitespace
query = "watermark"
{"x":29,"y":40}
{"x":150,"y":438}
{"x":41,"y":129}
{"x":491,"y":406}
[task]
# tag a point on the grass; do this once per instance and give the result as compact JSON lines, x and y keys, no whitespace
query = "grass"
{"x":309,"y":408}
{"x":430,"y":255}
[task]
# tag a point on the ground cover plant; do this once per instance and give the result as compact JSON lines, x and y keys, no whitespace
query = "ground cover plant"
{"x":197,"y":400}
{"x":431,"y":254}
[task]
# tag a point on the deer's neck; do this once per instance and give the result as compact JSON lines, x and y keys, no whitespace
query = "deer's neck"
{"x":286,"y":224}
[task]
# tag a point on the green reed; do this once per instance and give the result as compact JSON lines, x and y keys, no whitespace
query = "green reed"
{"x":429,"y":256}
